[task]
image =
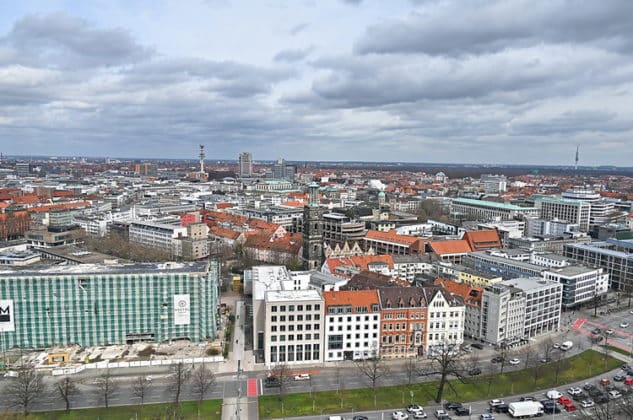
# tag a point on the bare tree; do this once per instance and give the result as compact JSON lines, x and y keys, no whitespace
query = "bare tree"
{"x":23,"y":390}
{"x":141,"y":387}
{"x":202,"y":381}
{"x":374,"y":370}
{"x":106,"y":386}
{"x":180,"y":375}
{"x":281,"y":371}
{"x":529,"y":354}
{"x":67,"y":390}
{"x":547,"y":347}
{"x":445,"y":363}
{"x":410,"y":368}
{"x":503,"y":353}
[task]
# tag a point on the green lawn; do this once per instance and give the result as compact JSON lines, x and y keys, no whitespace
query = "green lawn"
{"x":585,"y":365}
{"x":210,"y":409}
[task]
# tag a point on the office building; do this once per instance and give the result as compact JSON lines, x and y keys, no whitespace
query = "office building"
{"x":502,"y":315}
{"x":245,"y":163}
{"x":580,"y":284}
{"x":283,"y":170}
{"x":466,"y":208}
{"x":157,"y":235}
{"x":339,"y":229}
{"x":542,"y":304}
{"x":493,"y":184}
{"x":613,"y":255}
{"x":22,"y":169}
{"x":95,"y":304}
{"x":572,"y":211}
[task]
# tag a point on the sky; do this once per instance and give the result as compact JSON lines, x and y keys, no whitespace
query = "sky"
{"x":465,"y":81}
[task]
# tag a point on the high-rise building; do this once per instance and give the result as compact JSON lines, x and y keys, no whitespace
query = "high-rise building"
{"x":245,"y":165}
{"x":283,"y":170}
{"x":22,"y":168}
{"x":573,"y":211}
{"x":312,"y":231}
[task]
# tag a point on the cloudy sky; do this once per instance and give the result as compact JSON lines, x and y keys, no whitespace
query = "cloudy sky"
{"x":473,"y":81}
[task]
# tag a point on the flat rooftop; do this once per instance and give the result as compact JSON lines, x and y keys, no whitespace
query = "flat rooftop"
{"x":292,"y":295}
{"x":136,"y":268}
{"x":492,"y":204}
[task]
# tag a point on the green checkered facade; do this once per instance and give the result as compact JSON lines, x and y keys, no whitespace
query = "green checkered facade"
{"x":102,"y":307}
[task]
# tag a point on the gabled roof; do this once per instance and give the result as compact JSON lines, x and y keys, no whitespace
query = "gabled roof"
{"x":355,"y":298}
{"x":403,"y":297}
{"x":224,"y":233}
{"x":457,"y":246}
{"x":368,"y":280}
{"x":361,"y":262}
{"x":391,"y":236}
{"x":470,"y":294}
{"x":480,"y":240}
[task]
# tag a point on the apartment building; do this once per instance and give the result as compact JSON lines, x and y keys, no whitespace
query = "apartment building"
{"x":472,"y":297}
{"x":352,"y":325}
{"x":157,"y":235}
{"x":445,"y":320}
{"x":543,"y":300}
{"x":403,"y":316}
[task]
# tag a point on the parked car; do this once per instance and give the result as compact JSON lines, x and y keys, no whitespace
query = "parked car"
{"x":302,"y":377}
{"x":477,"y":346}
{"x":272,"y":382}
{"x":615,"y":394}
{"x":596,"y":331}
{"x":579,"y":397}
{"x":514,"y":362}
{"x":587,"y":403}
{"x":545,"y":360}
{"x":553,"y":394}
{"x":462,"y":411}
{"x":497,"y":359}
{"x":564,"y":400}
{"x":551,"y":409}
{"x":601,"y":399}
{"x":419,"y":415}
{"x":588,"y":386}
{"x":628,"y":381}
{"x":619,"y":378}
{"x":501,"y":408}
{"x":360,"y":418}
{"x":474,"y":371}
{"x":609,"y":331}
{"x":486,"y":416}
{"x":452,"y":405}
{"x":527,"y":398}
{"x":556,"y":345}
{"x":399,"y":415}
{"x":494,"y":403}
{"x":414,"y":408}
{"x":570,"y":406}
{"x":442,"y":415}
{"x":574,"y":390}
{"x":624,"y":324}
{"x":605,"y":381}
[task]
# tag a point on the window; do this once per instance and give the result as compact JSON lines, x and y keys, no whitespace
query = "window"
{"x":273,"y":328}
{"x":282,"y":308}
{"x":317,"y":317}
{"x":308,"y":317}
{"x":300,"y":308}
{"x":273,"y":338}
{"x":282,"y":318}
{"x":273,"y":308}
{"x":273,"y":318}
{"x":291,"y":337}
{"x":291,"y":327}
{"x":308,"y":307}
{"x":282,"y":328}
{"x":291,"y":318}
{"x":316,"y":336}
{"x":291,"y":308}
{"x":282,"y":337}
{"x":308,"y":336}
{"x":317,"y":307}
{"x":308,"y":327}
{"x":299,"y":337}
{"x":299,"y":317}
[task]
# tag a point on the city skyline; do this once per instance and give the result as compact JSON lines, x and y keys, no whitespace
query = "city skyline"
{"x":405,"y":81}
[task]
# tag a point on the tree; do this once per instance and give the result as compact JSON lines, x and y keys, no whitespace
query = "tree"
{"x":106,"y":386}
{"x":281,"y":371}
{"x":67,"y":390}
{"x":23,"y":390}
{"x":141,"y":387}
{"x":180,"y":375}
{"x":202,"y":381}
{"x":410,"y":368}
{"x":445,"y":363}
{"x":528,"y":354}
{"x":373,"y":369}
{"x":504,"y":353}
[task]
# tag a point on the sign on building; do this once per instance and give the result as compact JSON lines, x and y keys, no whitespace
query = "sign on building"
{"x":182,"y":310}
{"x":7,"y":315}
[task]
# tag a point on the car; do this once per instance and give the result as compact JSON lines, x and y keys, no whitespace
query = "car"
{"x":302,"y":377}
{"x":628,"y":381}
{"x":462,"y":411}
{"x":619,"y":378}
{"x":625,"y":367}
{"x":601,"y":399}
{"x":467,"y":348}
{"x":596,"y":331}
{"x":419,"y":415}
{"x":527,"y":398}
{"x":399,"y":415}
{"x":553,"y":394}
{"x":11,"y":374}
{"x":477,"y":346}
{"x":474,"y":371}
{"x":452,"y":405}
{"x":574,"y":390}
{"x":486,"y":416}
{"x":272,"y":382}
{"x":570,"y":407}
{"x":360,"y":418}
{"x":514,"y":362}
{"x":587,"y":403}
{"x":609,"y":331}
{"x":501,"y":408}
{"x":588,"y":386}
{"x":414,"y":408}
{"x":494,"y":403}
{"x":556,"y":345}
{"x":614,"y":395}
{"x":497,"y":359}
{"x":605,"y":381}
{"x":598,"y":339}
{"x":441,"y":414}
{"x":624,"y":324}
{"x":564,"y":400}
{"x":551,"y":409}
{"x":579,"y":397}
{"x":545,"y":360}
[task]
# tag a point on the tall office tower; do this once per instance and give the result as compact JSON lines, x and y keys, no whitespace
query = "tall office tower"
{"x":245,"y":165}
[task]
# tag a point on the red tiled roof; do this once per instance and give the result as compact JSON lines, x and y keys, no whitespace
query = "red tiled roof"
{"x":457,"y":246}
{"x":472,"y":295}
{"x":224,"y":233}
{"x":479,"y":240}
{"x":59,"y":206}
{"x":221,"y":206}
{"x":391,"y":236}
{"x":356,"y":298}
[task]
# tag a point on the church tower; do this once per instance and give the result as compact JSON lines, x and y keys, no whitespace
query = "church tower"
{"x":312,"y":231}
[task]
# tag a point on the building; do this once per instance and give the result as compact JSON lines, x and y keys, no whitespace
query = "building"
{"x":403,"y":316}
{"x":498,"y":264}
{"x":450,"y":251}
{"x":472,"y":297}
{"x":573,"y":211}
{"x":64,"y":305}
{"x":146,"y":169}
{"x":352,"y":325}
{"x":245,"y":163}
{"x":580,"y":284}
{"x":393,"y":243}
{"x":543,"y":227}
{"x":493,"y":184}
{"x":157,"y":235}
{"x":542,"y":304}
{"x":339,"y":229}
{"x":312,"y":231}
{"x":502,"y":315}
{"x":445,"y":320}
{"x":22,"y":169}
{"x":480,"y":240}
{"x":196,"y":245}
{"x":466,"y":208}
{"x":615,"y":256}
{"x":45,"y":237}
{"x":282,"y":170}
{"x":601,"y":210}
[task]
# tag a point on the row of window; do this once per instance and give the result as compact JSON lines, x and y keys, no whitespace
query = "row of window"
{"x":349,"y":327}
{"x":349,"y":318}
{"x":291,"y":318}
{"x":292,"y":308}
{"x":299,"y":337}
{"x":291,"y":353}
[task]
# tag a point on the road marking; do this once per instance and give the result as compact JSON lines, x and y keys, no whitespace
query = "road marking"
{"x":252,"y":388}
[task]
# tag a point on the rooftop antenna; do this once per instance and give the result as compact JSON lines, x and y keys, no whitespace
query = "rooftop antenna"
{"x":202,"y":158}
{"x":576,"y":165}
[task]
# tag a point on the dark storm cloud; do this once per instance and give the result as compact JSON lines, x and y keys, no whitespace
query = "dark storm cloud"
{"x":477,"y":27}
{"x":62,"y":41}
{"x":572,"y":122}
{"x":293,"y":55}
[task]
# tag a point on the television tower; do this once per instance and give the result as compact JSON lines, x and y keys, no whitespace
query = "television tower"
{"x":202,"y":158}
{"x":576,"y":165}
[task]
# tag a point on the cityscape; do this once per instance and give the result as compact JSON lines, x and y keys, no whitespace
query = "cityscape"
{"x":337,"y":210}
